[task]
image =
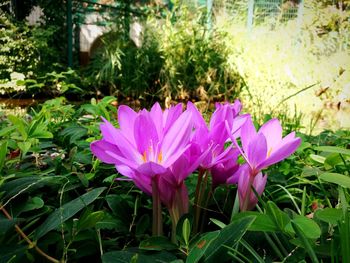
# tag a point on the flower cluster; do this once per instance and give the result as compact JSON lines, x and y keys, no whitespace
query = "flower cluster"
{"x":159,"y":149}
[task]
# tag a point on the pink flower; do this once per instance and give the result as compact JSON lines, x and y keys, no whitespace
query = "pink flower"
{"x":260,"y":150}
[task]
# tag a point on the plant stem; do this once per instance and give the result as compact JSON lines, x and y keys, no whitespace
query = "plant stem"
{"x":198,"y":200}
{"x":157,"y":225}
{"x":27,"y":239}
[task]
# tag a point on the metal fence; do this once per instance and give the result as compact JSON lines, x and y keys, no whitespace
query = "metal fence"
{"x":258,"y":12}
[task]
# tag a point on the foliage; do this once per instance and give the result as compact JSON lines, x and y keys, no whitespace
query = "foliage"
{"x":195,"y":58}
{"x":17,"y":50}
{"x":70,"y":206}
{"x":180,"y":58}
{"x":124,"y":69}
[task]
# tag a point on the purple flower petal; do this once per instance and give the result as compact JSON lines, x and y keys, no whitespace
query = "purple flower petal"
{"x":248,"y":133}
{"x":146,"y":136}
{"x":156,"y":114}
{"x":150,"y":169}
{"x":273,"y":133}
{"x":109,"y":132}
{"x":171,"y":115}
{"x":282,"y":152}
{"x":177,"y":138}
{"x":102,"y":149}
{"x":256,"y":151}
{"x":126,"y":120}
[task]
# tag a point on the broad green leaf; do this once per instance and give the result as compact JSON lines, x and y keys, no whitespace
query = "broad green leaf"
{"x":7,"y":130}
{"x":309,"y":227}
{"x":336,"y":178}
{"x":16,"y":186}
{"x":318,"y":158}
{"x":186,"y":230}
{"x":263,"y":222}
{"x":228,"y":236}
{"x":333,"y":149}
{"x":90,"y":220}
{"x":68,"y":210}
{"x":31,"y":204}
{"x":280,"y":218}
{"x":198,"y":250}
{"x":42,"y":134}
{"x":109,"y":222}
{"x":24,"y":147}
{"x":218,"y":222}
{"x":305,"y":242}
{"x":157,"y":243}
{"x":332,"y":160}
{"x":329,"y":215}
{"x":3,"y":151}
{"x":20,"y":126}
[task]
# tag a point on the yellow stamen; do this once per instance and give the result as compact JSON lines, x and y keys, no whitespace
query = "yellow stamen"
{"x":269,"y":152}
{"x":144,"y":157}
{"x":160,"y":157}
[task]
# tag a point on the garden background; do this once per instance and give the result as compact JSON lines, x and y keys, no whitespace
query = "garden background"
{"x":283,"y":59}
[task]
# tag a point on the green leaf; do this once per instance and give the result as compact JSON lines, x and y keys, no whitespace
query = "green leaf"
{"x":336,"y":178}
{"x":309,"y":227}
{"x":228,"y":236}
{"x":186,"y":230}
{"x":329,"y":215}
{"x":32,"y":204}
{"x":263,"y":222}
{"x":318,"y":158}
{"x":332,"y":160}
{"x":218,"y":222}
{"x":157,"y":243}
{"x":20,"y":126}
{"x":7,"y":130}
{"x":24,"y":147}
{"x":305,"y":242}
{"x":90,"y":220}
{"x":333,"y":149}
{"x":3,"y":151}
{"x":280,"y":218}
{"x":198,"y":250}
{"x":68,"y":210}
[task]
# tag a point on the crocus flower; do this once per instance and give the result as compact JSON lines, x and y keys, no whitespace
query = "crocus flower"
{"x":146,"y":144}
{"x":260,"y":150}
{"x":154,"y":150}
{"x":220,"y":161}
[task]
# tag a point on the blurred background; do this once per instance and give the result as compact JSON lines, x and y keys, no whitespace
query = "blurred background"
{"x":287,"y":59}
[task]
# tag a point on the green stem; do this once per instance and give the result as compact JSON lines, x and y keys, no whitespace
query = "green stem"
{"x":174,"y":215}
{"x":157,"y":224}
{"x":197,"y":200}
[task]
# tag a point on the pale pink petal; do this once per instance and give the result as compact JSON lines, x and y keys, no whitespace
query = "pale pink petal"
{"x":273,"y":133}
{"x":248,"y":133}
{"x":177,"y":137}
{"x":171,"y":115}
{"x":156,"y":114}
{"x":282,"y":152}
{"x":256,"y":151}
{"x":126,"y":120}
{"x":102,"y":149}
{"x":145,"y":133}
